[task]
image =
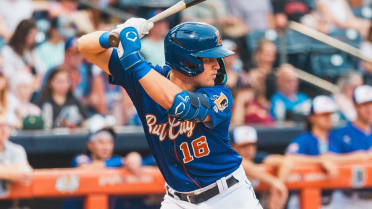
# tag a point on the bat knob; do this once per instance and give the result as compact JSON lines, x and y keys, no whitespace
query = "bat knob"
{"x":114,"y":39}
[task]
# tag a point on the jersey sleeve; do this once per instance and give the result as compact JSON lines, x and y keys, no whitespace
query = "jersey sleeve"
{"x":118,"y":75}
{"x":220,"y":104}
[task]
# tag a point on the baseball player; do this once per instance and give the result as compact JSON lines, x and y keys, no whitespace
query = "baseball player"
{"x":185,"y":109}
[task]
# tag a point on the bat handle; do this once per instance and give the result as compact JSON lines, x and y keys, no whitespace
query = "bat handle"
{"x":114,"y":38}
{"x":114,"y":35}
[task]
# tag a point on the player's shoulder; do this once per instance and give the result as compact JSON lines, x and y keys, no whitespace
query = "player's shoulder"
{"x":302,"y":138}
{"x":214,"y":90}
{"x":297,"y":144}
{"x":344,"y":130}
{"x":220,"y":95}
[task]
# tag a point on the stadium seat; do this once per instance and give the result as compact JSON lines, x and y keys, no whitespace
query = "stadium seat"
{"x":330,"y":65}
{"x":363,"y":12}
{"x":254,"y":37}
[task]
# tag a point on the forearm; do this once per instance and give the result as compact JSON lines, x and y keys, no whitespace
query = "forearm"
{"x":256,"y":172}
{"x":89,"y":43}
{"x":160,"y":89}
{"x":89,"y":46}
{"x":356,"y":157}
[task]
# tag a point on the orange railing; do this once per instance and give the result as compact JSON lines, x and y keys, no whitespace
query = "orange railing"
{"x":96,"y":185}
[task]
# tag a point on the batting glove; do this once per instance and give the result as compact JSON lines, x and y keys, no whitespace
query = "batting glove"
{"x":142,"y":26}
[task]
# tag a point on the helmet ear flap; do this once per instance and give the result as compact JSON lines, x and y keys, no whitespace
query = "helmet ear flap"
{"x":221,"y":77}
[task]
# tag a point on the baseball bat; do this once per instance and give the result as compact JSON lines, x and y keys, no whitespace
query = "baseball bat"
{"x":179,"y":6}
{"x":328,"y":40}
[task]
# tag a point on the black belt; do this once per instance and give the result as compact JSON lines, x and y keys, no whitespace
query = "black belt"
{"x":204,"y":196}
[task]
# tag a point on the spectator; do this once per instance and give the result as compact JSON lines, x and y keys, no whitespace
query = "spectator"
{"x":52,"y":52}
{"x":287,"y":103}
{"x":366,"y":50}
{"x":257,"y":81}
{"x":244,"y":140}
{"x":216,"y":13}
{"x":13,"y":12}
{"x":6,"y":102}
{"x":3,"y":95}
{"x":69,"y":9}
{"x":354,"y":141}
{"x":14,"y":166}
{"x":100,"y":148}
{"x":100,"y":153}
{"x":19,"y":54}
{"x":293,"y":9}
{"x":347,"y":83}
{"x":319,"y":124}
{"x":58,"y":105}
{"x":154,"y":42}
{"x":265,"y":56}
{"x":21,"y":97}
{"x":315,"y":142}
{"x":257,"y":15}
{"x":87,"y":87}
{"x":236,"y":76}
{"x":247,"y":109}
{"x":338,"y":14}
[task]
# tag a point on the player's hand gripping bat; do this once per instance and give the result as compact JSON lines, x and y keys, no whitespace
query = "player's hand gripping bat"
{"x":181,"y":5}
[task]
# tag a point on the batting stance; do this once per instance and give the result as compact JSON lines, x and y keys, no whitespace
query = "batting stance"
{"x":185,"y":109}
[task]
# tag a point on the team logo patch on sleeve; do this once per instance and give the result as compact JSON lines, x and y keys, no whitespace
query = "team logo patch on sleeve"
{"x":221,"y":102}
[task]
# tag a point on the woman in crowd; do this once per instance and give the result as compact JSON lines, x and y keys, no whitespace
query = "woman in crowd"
{"x":59,"y":106}
{"x":19,"y":53}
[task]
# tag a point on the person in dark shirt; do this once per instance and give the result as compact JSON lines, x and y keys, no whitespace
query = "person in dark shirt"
{"x":58,"y":105}
{"x":293,"y":9}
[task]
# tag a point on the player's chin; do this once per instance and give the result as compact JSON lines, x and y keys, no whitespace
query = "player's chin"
{"x":208,"y":83}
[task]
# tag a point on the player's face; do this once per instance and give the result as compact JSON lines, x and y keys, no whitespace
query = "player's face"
{"x":364,"y":112}
{"x":247,"y":151}
{"x":322,"y":121}
{"x":206,"y":78}
{"x":102,"y":148}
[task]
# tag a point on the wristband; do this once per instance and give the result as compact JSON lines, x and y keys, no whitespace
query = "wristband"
{"x":104,"y":40}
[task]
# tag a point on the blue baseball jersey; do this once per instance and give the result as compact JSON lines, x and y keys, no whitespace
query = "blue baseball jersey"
{"x":350,"y":139}
{"x":113,"y":162}
{"x":190,"y":155}
{"x":308,"y":144}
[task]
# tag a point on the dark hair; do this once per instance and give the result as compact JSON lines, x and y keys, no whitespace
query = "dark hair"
{"x":369,"y":36}
{"x":47,"y":91}
{"x":18,"y":39}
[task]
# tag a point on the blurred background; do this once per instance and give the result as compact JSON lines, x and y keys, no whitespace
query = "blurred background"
{"x":53,"y":99}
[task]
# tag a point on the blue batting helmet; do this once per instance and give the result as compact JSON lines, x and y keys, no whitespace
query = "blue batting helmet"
{"x":187,"y":42}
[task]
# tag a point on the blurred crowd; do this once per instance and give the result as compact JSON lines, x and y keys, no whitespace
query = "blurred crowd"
{"x":45,"y":83}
